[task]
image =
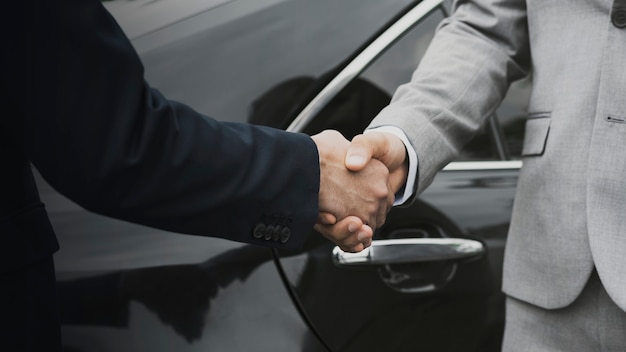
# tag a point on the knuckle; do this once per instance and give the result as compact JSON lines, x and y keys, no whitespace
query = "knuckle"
{"x":382,"y":169}
{"x":381,"y":192}
{"x":372,"y":210}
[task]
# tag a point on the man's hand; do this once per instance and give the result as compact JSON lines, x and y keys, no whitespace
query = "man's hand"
{"x":365,"y":195}
{"x":350,"y":234}
{"x":384,"y":147}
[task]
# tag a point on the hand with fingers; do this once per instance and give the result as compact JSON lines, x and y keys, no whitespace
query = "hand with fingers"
{"x":348,"y":218}
{"x":349,"y":233}
{"x":351,"y":203}
{"x":380,"y":146}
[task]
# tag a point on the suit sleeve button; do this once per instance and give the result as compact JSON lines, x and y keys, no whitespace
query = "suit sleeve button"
{"x":619,"y":18}
{"x":269,"y":232}
{"x":259,"y":230}
{"x":277,"y":231}
{"x":285,"y":234}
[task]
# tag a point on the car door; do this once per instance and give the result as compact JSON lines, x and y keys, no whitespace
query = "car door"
{"x":431,"y":280}
{"x":125,"y":287}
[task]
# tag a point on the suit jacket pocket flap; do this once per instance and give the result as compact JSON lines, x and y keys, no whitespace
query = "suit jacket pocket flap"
{"x":536,"y":134}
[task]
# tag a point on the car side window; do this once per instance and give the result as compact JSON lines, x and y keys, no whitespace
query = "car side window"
{"x":359,"y":102}
{"x":512,"y":117}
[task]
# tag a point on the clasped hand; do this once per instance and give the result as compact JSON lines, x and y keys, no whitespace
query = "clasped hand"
{"x":358,"y":182}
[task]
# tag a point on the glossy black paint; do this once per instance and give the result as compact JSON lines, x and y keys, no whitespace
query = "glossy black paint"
{"x":125,"y":287}
{"x":455,"y":306}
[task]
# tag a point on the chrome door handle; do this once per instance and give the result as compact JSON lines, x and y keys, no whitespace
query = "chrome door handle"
{"x":410,"y":250}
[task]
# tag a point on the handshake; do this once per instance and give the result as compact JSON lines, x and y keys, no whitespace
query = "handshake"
{"x":358,"y":183}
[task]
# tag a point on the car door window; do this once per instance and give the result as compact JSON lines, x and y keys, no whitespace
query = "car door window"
{"x":512,"y":117}
{"x":352,"y":109}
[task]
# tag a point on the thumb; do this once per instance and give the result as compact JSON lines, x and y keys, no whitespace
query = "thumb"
{"x":362,"y":149}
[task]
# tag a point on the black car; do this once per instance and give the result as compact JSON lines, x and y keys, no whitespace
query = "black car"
{"x":431,"y":280}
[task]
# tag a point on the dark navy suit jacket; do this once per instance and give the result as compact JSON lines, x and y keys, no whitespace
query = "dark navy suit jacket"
{"x":76,"y":106}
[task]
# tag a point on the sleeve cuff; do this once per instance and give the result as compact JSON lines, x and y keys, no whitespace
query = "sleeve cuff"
{"x":408,"y":190}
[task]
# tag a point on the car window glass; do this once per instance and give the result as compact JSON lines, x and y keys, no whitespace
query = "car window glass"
{"x":360,"y":101}
{"x":512,"y":116}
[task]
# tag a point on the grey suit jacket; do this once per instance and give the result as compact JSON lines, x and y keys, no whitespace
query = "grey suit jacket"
{"x":569,"y":211}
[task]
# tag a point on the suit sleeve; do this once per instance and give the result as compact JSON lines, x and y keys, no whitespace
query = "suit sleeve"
{"x":475,"y":55}
{"x":104,"y":138}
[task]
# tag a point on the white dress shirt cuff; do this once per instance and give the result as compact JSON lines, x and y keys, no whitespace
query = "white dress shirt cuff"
{"x":407,"y":191}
